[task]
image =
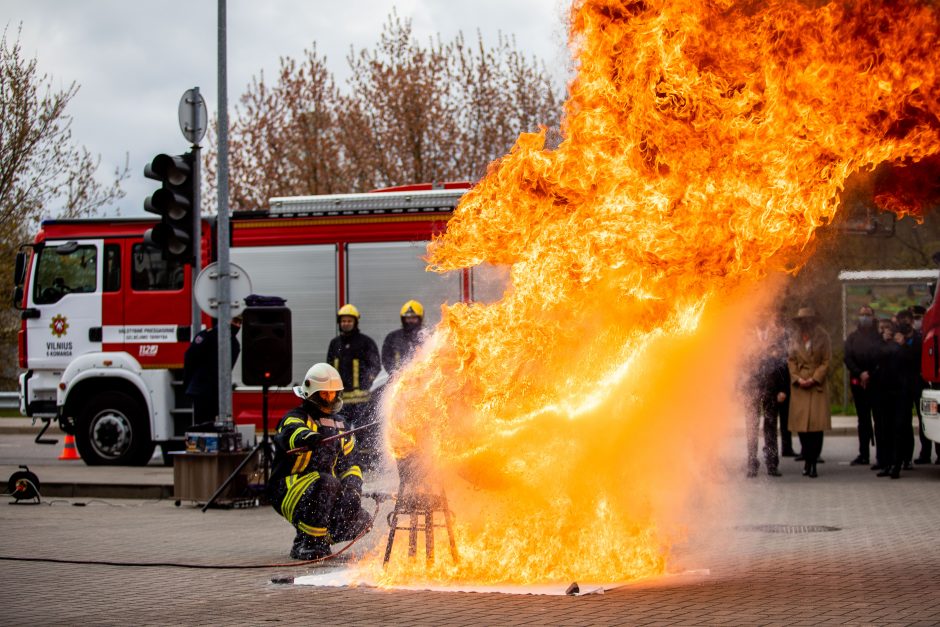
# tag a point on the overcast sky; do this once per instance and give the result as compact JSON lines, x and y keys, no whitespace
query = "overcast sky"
{"x":134,"y":59}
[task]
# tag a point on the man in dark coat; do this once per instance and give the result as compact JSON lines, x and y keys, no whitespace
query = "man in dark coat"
{"x":889,"y":392}
{"x":914,"y":384}
{"x":861,"y":353}
{"x":201,"y":371}
{"x":769,"y":396}
{"x":400,"y":344}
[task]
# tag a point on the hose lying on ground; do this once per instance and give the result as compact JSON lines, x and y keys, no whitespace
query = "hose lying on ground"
{"x":56,"y":560}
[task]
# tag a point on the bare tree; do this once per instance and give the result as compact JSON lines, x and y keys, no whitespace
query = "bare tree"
{"x":409,"y":113}
{"x":42,"y":172}
{"x":283,"y":138}
{"x":502,"y":94}
{"x":445,"y":110}
{"x":406,"y":93}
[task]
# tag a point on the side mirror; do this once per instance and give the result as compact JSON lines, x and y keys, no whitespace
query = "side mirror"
{"x":18,"y":297}
{"x":19,"y":269}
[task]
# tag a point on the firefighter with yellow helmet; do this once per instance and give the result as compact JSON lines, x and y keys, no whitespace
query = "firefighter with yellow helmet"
{"x":401,"y":343}
{"x":315,"y":485}
{"x":356,"y":357}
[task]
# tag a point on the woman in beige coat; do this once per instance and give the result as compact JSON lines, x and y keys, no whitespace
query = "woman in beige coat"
{"x":809,"y":354}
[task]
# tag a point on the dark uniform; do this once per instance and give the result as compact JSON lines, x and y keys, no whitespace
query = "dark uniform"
{"x":914,"y":386}
{"x":201,"y":372}
{"x":771,"y":377}
{"x":317,"y":490}
{"x":398,"y":347}
{"x":889,"y":393}
{"x":862,"y":347}
{"x":356,"y":357}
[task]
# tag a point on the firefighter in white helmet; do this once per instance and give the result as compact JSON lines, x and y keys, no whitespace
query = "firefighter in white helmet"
{"x":400,"y":344}
{"x":317,"y":488}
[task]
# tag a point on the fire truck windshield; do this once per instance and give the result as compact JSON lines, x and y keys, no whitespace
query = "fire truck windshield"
{"x":67,"y":271}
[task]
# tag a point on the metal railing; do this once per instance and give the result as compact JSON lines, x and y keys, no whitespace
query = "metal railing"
{"x":9,"y":400}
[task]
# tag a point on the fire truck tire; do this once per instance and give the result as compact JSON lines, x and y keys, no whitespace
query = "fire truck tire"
{"x":112,"y":430}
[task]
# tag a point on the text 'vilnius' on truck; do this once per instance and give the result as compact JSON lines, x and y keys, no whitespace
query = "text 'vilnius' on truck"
{"x":106,"y":320}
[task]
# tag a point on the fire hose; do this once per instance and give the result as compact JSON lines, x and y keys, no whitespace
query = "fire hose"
{"x":378,"y":497}
{"x":332,"y":438}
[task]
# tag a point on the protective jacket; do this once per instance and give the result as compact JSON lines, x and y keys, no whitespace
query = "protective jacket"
{"x":317,"y":489}
{"x":356,"y":357}
{"x":399,"y":346}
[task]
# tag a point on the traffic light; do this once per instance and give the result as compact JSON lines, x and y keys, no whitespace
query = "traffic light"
{"x":175,"y":203}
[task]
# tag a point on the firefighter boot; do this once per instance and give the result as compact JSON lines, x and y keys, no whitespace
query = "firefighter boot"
{"x":307,"y":547}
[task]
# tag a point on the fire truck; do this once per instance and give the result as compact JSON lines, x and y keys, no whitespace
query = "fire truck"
{"x":930,"y":369}
{"x":106,"y":320}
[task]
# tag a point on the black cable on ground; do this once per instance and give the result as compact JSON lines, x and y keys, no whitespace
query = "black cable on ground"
{"x":55,"y":560}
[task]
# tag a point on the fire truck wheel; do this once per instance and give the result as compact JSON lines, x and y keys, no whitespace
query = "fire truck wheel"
{"x":112,"y":430}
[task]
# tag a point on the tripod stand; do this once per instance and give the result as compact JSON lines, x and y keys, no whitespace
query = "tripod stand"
{"x":263,"y":446}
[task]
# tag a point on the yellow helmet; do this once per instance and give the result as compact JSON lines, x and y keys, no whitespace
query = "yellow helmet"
{"x":412,"y":307}
{"x":348,"y":310}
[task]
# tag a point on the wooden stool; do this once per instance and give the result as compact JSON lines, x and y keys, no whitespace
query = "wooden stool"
{"x":415,"y":501}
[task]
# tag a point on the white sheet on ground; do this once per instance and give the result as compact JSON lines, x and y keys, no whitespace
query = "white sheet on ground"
{"x":351,"y":577}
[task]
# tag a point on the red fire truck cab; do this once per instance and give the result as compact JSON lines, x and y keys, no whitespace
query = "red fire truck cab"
{"x":106,"y":320}
{"x":930,"y":370}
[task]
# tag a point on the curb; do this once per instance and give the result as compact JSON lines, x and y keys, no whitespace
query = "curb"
{"x":53,"y":431}
{"x":107,"y":491}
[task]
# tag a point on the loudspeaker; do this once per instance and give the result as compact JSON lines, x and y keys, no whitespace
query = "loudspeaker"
{"x":266,"y":346}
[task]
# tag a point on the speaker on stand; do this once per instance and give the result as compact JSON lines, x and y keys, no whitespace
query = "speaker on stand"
{"x":267,"y":361}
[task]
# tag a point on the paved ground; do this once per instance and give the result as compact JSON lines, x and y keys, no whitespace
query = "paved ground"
{"x":882,"y":567}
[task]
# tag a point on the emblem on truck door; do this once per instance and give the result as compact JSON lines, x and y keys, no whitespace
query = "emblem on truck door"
{"x":59,"y":325}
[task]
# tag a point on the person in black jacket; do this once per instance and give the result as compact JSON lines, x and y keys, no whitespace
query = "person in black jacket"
{"x":316,"y":485}
{"x":769,"y":398}
{"x":400,"y":344}
{"x":911,"y":349}
{"x":862,"y":347}
{"x":201,"y":371}
{"x":356,"y":357}
{"x":889,"y":393}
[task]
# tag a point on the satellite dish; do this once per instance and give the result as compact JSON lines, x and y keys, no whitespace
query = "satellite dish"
{"x":206,"y":289}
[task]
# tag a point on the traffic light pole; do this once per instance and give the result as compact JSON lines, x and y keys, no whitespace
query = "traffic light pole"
{"x":225,"y":313}
{"x":197,"y":236}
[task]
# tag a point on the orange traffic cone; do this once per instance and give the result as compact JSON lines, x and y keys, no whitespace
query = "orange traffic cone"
{"x":69,"y":451}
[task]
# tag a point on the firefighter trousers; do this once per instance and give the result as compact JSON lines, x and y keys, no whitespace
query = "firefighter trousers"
{"x":317,"y":505}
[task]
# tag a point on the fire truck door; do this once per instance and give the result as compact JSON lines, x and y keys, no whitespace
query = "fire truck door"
{"x":156,"y":309}
{"x":64,"y":304}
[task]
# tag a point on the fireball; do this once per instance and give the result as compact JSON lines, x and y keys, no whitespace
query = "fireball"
{"x":573,"y":421}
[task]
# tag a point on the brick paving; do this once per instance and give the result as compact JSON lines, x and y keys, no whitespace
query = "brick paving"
{"x":881,"y":568}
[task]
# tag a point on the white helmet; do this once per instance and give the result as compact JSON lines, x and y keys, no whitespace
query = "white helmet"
{"x":321,"y":377}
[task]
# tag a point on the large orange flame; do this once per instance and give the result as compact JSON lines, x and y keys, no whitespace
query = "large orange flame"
{"x":703,"y":144}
